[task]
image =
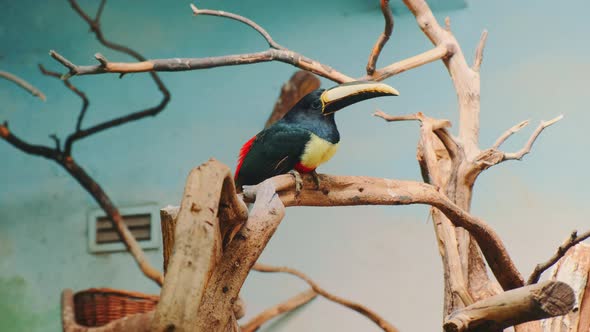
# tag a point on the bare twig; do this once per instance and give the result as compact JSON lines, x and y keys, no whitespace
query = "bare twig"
{"x":529,"y":144}
{"x":479,"y":51}
{"x":239,"y":18}
{"x":572,"y":240}
{"x":382,"y":323}
{"x":383,"y":38}
{"x":434,"y":123}
{"x":152,"y":111}
{"x":279,"y":309}
{"x":65,"y":159}
{"x":394,"y":118}
{"x":23,"y":84}
{"x":99,"y":11}
{"x":94,"y":189}
{"x":437,"y":126}
{"x":82,"y":95}
{"x":437,"y":53}
{"x":56,"y":141}
{"x":362,"y":190}
{"x":274,"y":53}
{"x":514,"y":129}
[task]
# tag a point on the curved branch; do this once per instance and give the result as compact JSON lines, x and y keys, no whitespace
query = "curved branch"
{"x":529,"y":144}
{"x":152,"y":111}
{"x":275,"y":53}
{"x":361,"y":190}
{"x":561,"y":251}
{"x":511,"y":131}
{"x":437,"y":53}
{"x":239,"y":18}
{"x":23,"y":84}
{"x":37,"y":150}
{"x":383,"y":324}
{"x":291,"y":304}
{"x":185,"y":64}
{"x":383,"y":38}
{"x":82,"y":95}
{"x":479,"y":51}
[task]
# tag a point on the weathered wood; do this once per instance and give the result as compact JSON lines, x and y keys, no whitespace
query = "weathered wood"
{"x":168,"y":224}
{"x":197,"y":248}
{"x":215,"y":312}
{"x":573,"y":269}
{"x":533,"y":302}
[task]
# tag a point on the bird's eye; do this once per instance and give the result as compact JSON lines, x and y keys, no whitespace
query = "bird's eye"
{"x":316,"y":105}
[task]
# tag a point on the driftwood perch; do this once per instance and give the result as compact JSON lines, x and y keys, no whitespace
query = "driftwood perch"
{"x":543,"y":300}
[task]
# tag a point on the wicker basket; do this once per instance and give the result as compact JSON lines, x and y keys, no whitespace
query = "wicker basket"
{"x":98,"y":306}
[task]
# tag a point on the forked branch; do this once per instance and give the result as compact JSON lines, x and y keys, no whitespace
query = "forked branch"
{"x":361,"y":190}
{"x":383,"y":38}
{"x":511,"y":131}
{"x":239,"y":18}
{"x":479,"y":51}
{"x":529,"y":144}
{"x":573,"y":239}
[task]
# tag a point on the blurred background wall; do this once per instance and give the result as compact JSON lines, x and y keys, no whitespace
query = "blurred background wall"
{"x":535,"y":66}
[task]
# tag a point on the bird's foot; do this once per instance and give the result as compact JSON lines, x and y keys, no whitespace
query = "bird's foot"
{"x":316,"y":179}
{"x":298,"y":181}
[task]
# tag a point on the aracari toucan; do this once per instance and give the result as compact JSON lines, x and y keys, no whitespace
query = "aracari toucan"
{"x":305,"y":137}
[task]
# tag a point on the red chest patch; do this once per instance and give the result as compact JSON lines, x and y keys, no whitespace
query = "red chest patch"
{"x":243,"y":152}
{"x":302,"y":169}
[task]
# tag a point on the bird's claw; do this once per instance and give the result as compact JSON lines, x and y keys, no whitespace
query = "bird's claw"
{"x":316,"y":179}
{"x":298,"y":181}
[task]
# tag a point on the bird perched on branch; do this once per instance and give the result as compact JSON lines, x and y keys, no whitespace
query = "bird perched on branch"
{"x":305,"y":137}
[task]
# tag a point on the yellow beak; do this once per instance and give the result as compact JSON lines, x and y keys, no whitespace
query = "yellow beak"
{"x":346,"y":94}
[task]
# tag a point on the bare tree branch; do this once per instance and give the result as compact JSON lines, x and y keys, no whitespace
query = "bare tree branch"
{"x":383,"y":38}
{"x":82,"y":95}
{"x":289,"y":305}
{"x":239,"y":18}
{"x":437,"y":53}
{"x":479,"y":51}
{"x":382,"y":323}
{"x":65,"y":159}
{"x":529,"y":144}
{"x":23,"y":84}
{"x":573,"y":239}
{"x":514,"y":129}
{"x":152,"y":111}
{"x":361,"y":190}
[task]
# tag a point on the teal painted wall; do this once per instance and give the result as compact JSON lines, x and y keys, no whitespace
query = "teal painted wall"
{"x":385,"y":257}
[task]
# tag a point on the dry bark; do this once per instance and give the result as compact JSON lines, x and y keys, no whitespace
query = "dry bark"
{"x":574,"y":269}
{"x":533,"y":302}
{"x":197,"y":247}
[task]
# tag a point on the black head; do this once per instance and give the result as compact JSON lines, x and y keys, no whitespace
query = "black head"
{"x":323,"y":102}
